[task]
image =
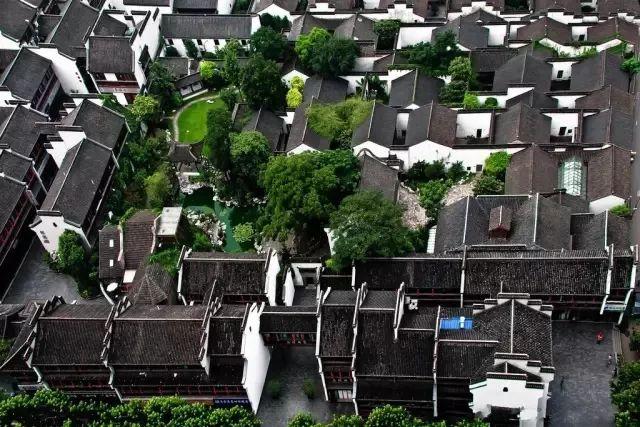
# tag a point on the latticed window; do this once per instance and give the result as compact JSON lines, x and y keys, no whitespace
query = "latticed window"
{"x":572,"y":176}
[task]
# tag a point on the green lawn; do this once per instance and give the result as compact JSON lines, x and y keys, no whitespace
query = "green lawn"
{"x":201,"y":201}
{"x":192,"y":122}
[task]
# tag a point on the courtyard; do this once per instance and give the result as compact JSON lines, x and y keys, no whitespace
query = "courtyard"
{"x":580,"y":390}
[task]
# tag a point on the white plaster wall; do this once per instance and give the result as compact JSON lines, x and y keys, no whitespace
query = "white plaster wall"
{"x":288,"y":290}
{"x":59,"y":149}
{"x":564,"y":66}
{"x":605,"y":203}
{"x":467,"y":124}
{"x":567,"y":101}
{"x":365,"y":63}
{"x":409,"y":36}
{"x":497,"y":34}
{"x":291,"y":74}
{"x":149,"y":37}
{"x":302,"y":148}
{"x":271,"y":277}
{"x":256,"y":356}
{"x":377,"y":150}
{"x":472,"y":157}
{"x":276,"y":10}
{"x":353,"y":82}
{"x":65,"y":68}
{"x":579,"y":30}
{"x":427,"y":151}
{"x":512,"y":92}
{"x":53,"y":227}
{"x":8,"y":43}
{"x":558,"y":120}
{"x":402,"y":119}
{"x":6,"y":97}
{"x":502,"y":99}
{"x":490,"y":393}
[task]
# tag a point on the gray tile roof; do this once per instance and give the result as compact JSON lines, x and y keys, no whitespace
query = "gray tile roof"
{"x":13,"y":16}
{"x":14,"y":165}
{"x":98,"y":123}
{"x":468,"y":34}
{"x":379,"y":127}
{"x":10,"y":193}
{"x":206,"y":26}
{"x":110,"y":55}
{"x":356,"y":27}
{"x":152,"y":285}
{"x":107,"y":25}
{"x":531,"y":170}
{"x":490,"y":59}
{"x":522,"y":124}
{"x":26,"y":72}
{"x":414,"y":88}
{"x":568,"y":5}
{"x":288,"y":5}
{"x":614,"y":28}
{"x":325,"y":89}
{"x":184,"y":6}
{"x":268,"y":124}
{"x":598,"y":71}
{"x":545,"y":28}
{"x":533,"y":98}
{"x":74,"y":28}
{"x":608,"y":127}
{"x":302,"y":134}
{"x":108,"y":253}
{"x":20,"y":132}
{"x":138,"y":232}
{"x":78,"y":181}
{"x":523,"y":69}
{"x":375,"y":175}
{"x":607,"y":97}
{"x":433,"y":122}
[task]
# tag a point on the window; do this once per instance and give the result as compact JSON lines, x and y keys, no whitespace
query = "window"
{"x":199,"y":42}
{"x":216,"y":42}
{"x":505,"y":389}
{"x":110,"y":243}
{"x":345,"y":394}
{"x":560,"y":73}
{"x":170,"y":41}
{"x":55,"y":225}
{"x":572,"y":177}
{"x":563,"y":130}
{"x":110,"y":263}
{"x":478,"y":168}
{"x":478,"y":133}
{"x":243,"y":42}
{"x":581,"y":36}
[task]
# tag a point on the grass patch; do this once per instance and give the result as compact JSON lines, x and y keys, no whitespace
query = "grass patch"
{"x":192,"y":122}
{"x":329,"y":120}
{"x":202,"y":201}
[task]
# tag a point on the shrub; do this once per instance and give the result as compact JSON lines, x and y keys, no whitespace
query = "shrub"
{"x":496,"y":164}
{"x":171,"y":51}
{"x":422,"y":172}
{"x":622,"y":210}
{"x":294,"y":97}
{"x":309,"y":388}
{"x":329,"y":120}
{"x":631,"y":65}
{"x":243,"y":233}
{"x":274,"y":388}
{"x":432,"y":195}
{"x":297,"y":82}
{"x":302,"y":420}
{"x":488,"y":184}
{"x":470,"y":101}
{"x":634,"y":340}
{"x":277,"y":23}
{"x":168,"y":259}
{"x":346,"y":421}
{"x":491,"y":102}
{"x":456,"y":172}
{"x":191,"y":48}
{"x":211,"y":76}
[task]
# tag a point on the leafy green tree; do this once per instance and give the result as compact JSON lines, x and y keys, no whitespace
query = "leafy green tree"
{"x":268,"y":43}
{"x":452,"y":94}
{"x":231,"y":65}
{"x":261,"y":83}
{"x":622,"y":210}
{"x":625,"y":394}
{"x":422,"y":172}
{"x":302,"y":419}
{"x":294,"y":97}
{"x":191,"y":48}
{"x":160,"y":84}
{"x":230,"y":96}
{"x":168,"y":259}
{"x":334,"y":57}
{"x":302,"y":190}
{"x":216,"y":141}
{"x":367,"y":224}
{"x":307,"y":43}
{"x":171,"y":52}
{"x":487,"y":184}
{"x":462,"y":78}
{"x":146,"y":109}
{"x":250,"y":153}
{"x":330,"y":120}
{"x":277,"y":23}
{"x":71,"y":254}
{"x":461,"y":69}
{"x":432,"y":195}
{"x":496,"y":164}
{"x":159,"y":187}
{"x":386,"y":31}
{"x":346,"y":421}
{"x":211,"y":75}
{"x":456,"y":172}
{"x":392,"y":416}
{"x":434,"y":58}
{"x":631,"y":65}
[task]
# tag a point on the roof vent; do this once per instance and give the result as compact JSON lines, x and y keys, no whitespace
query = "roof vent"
{"x":413,"y":304}
{"x":499,"y":222}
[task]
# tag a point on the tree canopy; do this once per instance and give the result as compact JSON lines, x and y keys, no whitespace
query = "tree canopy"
{"x":303,"y":190}
{"x":625,"y":393}
{"x":367,"y":224}
{"x":268,"y":43}
{"x":330,"y":120}
{"x":261,"y":83}
{"x":230,"y":64}
{"x":161,"y":86}
{"x":146,"y":109}
{"x":211,"y":75}
{"x":496,"y":164}
{"x":250,"y":153}
{"x":216,"y":141}
{"x":159,"y":187}
{"x":434,"y":58}
{"x":325,"y":54}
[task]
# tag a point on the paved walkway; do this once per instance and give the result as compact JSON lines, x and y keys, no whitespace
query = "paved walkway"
{"x":292,"y":366}
{"x":36,"y":281}
{"x":582,"y":399}
{"x":174,"y":118}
